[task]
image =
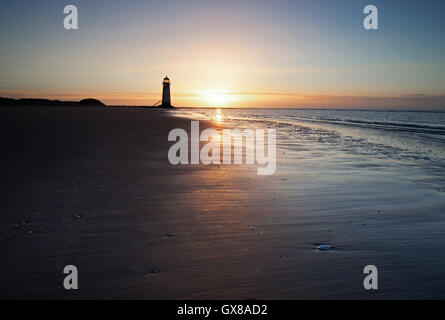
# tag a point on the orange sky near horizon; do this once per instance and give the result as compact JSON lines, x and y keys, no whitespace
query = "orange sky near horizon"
{"x":231,"y":99}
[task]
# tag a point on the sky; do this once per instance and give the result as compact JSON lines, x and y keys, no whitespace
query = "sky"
{"x":227,"y":53}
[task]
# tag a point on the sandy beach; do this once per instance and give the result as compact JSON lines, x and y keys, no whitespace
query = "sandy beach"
{"x":93,"y":187}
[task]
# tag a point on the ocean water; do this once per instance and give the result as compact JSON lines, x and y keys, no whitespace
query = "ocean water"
{"x":371,"y":183}
{"x":402,"y":149}
{"x":394,"y":134}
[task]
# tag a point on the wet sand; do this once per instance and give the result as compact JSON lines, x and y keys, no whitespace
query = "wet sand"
{"x":93,"y":187}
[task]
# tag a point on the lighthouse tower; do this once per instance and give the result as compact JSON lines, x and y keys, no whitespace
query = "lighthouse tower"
{"x":166,"y":102}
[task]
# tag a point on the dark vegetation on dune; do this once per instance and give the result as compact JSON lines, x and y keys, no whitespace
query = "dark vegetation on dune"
{"x":90,"y":102}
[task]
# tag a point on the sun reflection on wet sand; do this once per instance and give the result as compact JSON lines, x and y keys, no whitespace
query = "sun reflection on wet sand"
{"x":218,"y":116}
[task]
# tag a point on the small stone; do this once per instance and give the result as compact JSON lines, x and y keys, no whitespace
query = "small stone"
{"x":30,"y":232}
{"x":154,"y":271}
{"x":167,"y":235}
{"x":324,"y":247}
{"x":16,"y":226}
{"x":77,"y":216}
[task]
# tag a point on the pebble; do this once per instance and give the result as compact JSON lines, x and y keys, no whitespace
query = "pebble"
{"x":77,"y":216}
{"x":153,"y":271}
{"x":324,"y":247}
{"x":167,"y":235}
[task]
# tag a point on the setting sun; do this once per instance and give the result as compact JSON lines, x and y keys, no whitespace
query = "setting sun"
{"x":218,"y":98}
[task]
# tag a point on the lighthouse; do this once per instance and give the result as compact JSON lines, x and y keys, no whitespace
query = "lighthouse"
{"x":166,"y":102}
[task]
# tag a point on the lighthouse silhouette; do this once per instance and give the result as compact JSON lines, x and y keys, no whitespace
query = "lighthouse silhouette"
{"x":166,"y":102}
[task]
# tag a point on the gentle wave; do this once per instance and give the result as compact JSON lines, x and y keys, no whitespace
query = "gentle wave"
{"x":409,"y":127}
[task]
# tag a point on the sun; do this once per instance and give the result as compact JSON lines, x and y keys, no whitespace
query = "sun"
{"x":217,"y":98}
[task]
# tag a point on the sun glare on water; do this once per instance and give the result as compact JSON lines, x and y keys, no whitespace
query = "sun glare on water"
{"x":218,"y":115}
